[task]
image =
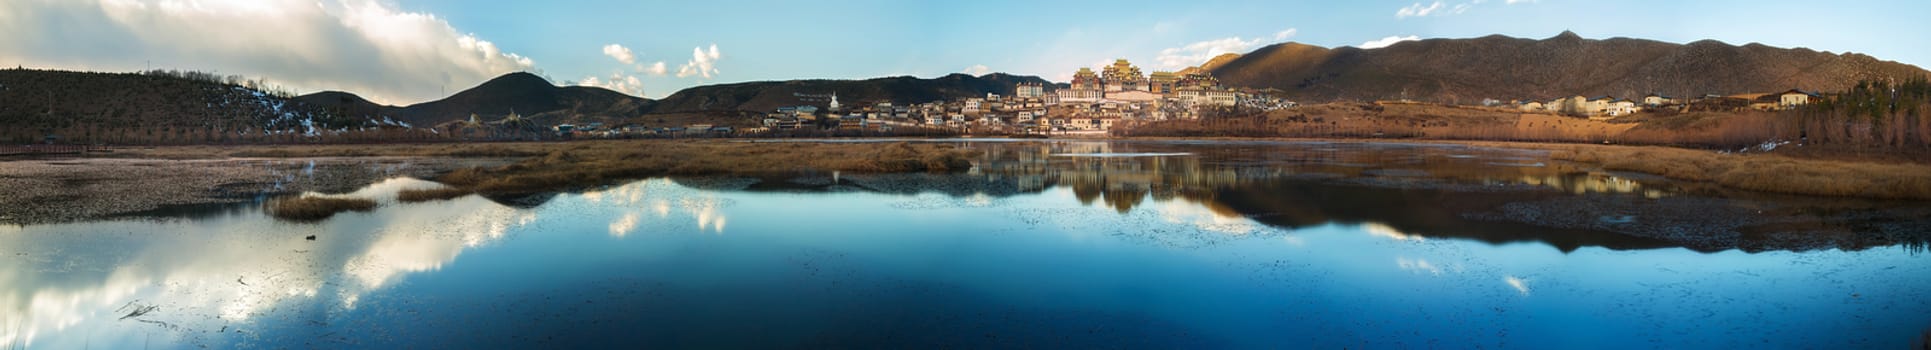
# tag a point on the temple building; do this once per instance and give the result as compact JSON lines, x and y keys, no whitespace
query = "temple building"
{"x":1162,"y":83}
{"x":1123,"y":76}
{"x":1087,"y":87}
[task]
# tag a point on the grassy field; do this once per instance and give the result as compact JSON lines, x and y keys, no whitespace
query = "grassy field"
{"x":579,"y":164}
{"x":425,"y":195}
{"x":1761,"y":172}
{"x":303,"y":208}
{"x":549,"y":166}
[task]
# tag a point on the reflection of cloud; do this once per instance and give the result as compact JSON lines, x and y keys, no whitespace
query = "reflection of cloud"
{"x":1204,"y":218}
{"x":708,"y":211}
{"x":1520,"y":285}
{"x":624,"y":225}
{"x":1418,"y":266}
{"x":1383,"y":230}
{"x":230,"y":268}
{"x":1294,"y":240}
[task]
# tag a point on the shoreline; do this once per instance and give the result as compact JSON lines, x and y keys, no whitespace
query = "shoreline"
{"x":1712,"y":218}
{"x":207,"y":174}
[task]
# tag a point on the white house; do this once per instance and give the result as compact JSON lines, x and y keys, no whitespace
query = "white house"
{"x":1793,"y":98}
{"x":1622,"y":107}
{"x":1657,"y":100}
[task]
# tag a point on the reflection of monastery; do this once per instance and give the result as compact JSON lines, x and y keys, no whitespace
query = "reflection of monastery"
{"x":1123,"y":182}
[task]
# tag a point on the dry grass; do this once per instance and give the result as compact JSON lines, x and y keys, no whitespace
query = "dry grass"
{"x":592,"y":163}
{"x":436,"y":194}
{"x":300,"y":208}
{"x":460,"y":150}
{"x":1763,"y":172}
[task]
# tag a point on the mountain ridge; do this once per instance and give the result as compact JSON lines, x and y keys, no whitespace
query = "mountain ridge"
{"x":1503,"y":67}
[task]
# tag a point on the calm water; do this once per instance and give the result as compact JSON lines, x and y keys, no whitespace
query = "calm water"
{"x":1170,"y":245}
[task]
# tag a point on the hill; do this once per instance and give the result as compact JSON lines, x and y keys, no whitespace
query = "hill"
{"x":1500,"y":67}
{"x":523,"y":93}
{"x":345,"y":103}
{"x":153,"y":107}
{"x":768,"y":95}
{"x":536,"y":98}
{"x":1211,"y":64}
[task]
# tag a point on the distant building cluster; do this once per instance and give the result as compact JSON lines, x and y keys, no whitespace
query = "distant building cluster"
{"x":1094,"y":101}
{"x":1610,"y":106}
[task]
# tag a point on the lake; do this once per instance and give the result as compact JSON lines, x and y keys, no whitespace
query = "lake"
{"x":1066,"y":244}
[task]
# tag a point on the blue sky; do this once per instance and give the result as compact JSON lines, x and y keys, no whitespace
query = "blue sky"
{"x":406,"y":51}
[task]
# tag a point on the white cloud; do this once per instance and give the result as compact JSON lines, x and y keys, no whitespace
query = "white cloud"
{"x":1439,"y":8}
{"x":703,"y":63}
{"x":977,"y":70}
{"x":1388,"y":41}
{"x":619,"y":82}
{"x":1199,"y":52}
{"x":657,"y":69}
{"x":1417,"y":10}
{"x":364,"y":46}
{"x":1289,"y":33}
{"x":619,"y":52}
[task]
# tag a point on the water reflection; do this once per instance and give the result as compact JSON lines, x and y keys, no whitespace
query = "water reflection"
{"x":1424,"y":190}
{"x":1193,"y":251}
{"x":206,"y":274}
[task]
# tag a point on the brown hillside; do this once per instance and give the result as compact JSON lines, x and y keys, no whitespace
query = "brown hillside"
{"x":1212,"y":63}
{"x":523,"y":93}
{"x":1500,"y":67}
{"x":131,"y":107}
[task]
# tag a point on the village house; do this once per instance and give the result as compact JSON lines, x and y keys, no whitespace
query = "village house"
{"x":1599,"y":105}
{"x":1793,"y":98}
{"x":1657,"y":100}
{"x":1622,"y":107}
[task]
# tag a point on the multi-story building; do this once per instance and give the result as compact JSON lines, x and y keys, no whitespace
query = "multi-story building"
{"x":1207,"y":96}
{"x":1029,"y":90}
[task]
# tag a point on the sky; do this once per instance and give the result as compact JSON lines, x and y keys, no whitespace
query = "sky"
{"x":409,"y":51}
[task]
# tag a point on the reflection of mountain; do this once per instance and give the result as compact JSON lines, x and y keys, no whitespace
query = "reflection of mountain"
{"x":1426,"y":212}
{"x":1443,"y":191}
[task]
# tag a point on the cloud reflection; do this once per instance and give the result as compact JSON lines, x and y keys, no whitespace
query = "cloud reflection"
{"x":1418,"y":266}
{"x":1383,"y":230}
{"x":1521,"y":285}
{"x":230,"y":269}
{"x":1204,"y":218}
